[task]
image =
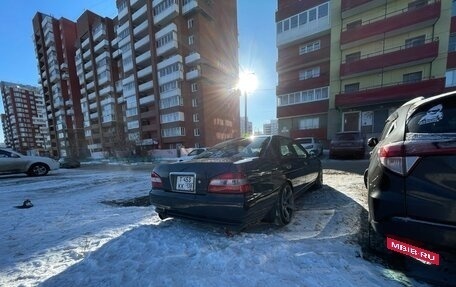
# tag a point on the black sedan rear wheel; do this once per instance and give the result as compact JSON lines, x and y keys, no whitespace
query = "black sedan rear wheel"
{"x":38,"y":169}
{"x":284,"y":209}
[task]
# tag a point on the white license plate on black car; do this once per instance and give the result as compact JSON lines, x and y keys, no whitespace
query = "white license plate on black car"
{"x":184,"y":182}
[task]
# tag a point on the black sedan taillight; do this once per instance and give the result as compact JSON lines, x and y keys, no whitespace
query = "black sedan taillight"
{"x":230,"y":183}
{"x":156,"y":180}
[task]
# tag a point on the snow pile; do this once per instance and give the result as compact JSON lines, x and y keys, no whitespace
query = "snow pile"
{"x":70,"y":238}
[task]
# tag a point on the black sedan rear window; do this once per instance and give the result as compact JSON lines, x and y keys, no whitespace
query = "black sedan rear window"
{"x":245,"y":147}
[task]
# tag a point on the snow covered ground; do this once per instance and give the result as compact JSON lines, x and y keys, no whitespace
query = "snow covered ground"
{"x":70,"y":238}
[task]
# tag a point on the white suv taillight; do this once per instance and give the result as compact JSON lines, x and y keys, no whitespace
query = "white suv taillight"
{"x":229,"y":183}
{"x":396,"y":158}
{"x":156,"y":180}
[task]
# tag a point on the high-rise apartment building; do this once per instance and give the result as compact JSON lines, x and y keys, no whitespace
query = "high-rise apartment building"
{"x":160,"y":75}
{"x":24,"y":121}
{"x":55,"y":50}
{"x":346,"y":65}
{"x":179,"y":65}
{"x":97,"y":72}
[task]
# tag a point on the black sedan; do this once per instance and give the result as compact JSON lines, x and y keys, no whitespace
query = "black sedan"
{"x":237,"y":183}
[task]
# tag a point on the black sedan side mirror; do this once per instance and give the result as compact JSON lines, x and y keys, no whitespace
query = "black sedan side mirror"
{"x":372,"y":142}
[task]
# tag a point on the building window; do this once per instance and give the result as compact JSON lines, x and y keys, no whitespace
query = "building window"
{"x":309,"y":47}
{"x":450,"y":78}
{"x":354,"y":24}
{"x":416,"y":41}
{"x":351,"y":88}
{"x":196,"y":132}
{"x":190,"y":23}
{"x":452,"y":43}
{"x":294,"y":22}
{"x":352,"y":57}
{"x":194,"y":87}
{"x":412,"y":77}
{"x":309,"y":73}
{"x":194,"y":102}
{"x":309,"y":123}
{"x":195,"y":118}
{"x":191,"y":40}
{"x":323,"y":10}
{"x":453,"y":8}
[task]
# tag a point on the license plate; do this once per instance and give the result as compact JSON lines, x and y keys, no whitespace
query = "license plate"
{"x":185,"y":183}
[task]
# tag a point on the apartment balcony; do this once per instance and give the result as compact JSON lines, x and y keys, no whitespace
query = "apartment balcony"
{"x":295,"y":35}
{"x":93,"y":106}
{"x":145,"y":72}
{"x":90,"y":86}
{"x":119,"y":86}
{"x":65,"y":76}
{"x":85,"y":43}
{"x":392,"y":24}
{"x":178,"y":75}
{"x":83,"y":91}
{"x":141,"y":43}
{"x":100,"y":32}
{"x":54,"y":77}
{"x":70,"y":112}
{"x":89,"y":76}
{"x":122,"y":13}
{"x":101,"y":45}
{"x":145,"y":86}
{"x":141,"y":29}
{"x":171,"y":93}
{"x":116,"y":54}
{"x":169,"y":61}
{"x":194,"y":74}
{"x":102,"y":56}
{"x":108,"y":101}
{"x":49,"y":39}
{"x":93,"y":116}
{"x":171,"y":46}
{"x":398,"y":92}
{"x":353,"y":7}
{"x":166,"y":15}
{"x":192,"y":58}
{"x":146,"y":100}
{"x":69,"y":103}
{"x":92,"y":96}
{"x":108,"y":119}
{"x":139,"y":14}
{"x":47,"y":28}
{"x":64,"y":66}
{"x":134,"y":3}
{"x":189,"y":7}
{"x":88,"y":66}
{"x":398,"y":57}
{"x":107,"y":90}
{"x":86,"y":55}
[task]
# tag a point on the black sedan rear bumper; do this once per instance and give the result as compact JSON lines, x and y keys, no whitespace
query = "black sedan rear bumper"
{"x":234,"y":210}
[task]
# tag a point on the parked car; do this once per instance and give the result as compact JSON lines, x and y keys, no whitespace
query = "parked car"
{"x":312,"y":145}
{"x":13,"y":162}
{"x":411,"y":178}
{"x":347,"y":144}
{"x":237,"y":183}
{"x":69,"y":162}
{"x":192,"y":154}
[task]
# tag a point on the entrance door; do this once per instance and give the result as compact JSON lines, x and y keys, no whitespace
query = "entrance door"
{"x":351,"y":121}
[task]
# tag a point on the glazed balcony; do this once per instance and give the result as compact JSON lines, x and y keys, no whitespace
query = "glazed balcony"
{"x":398,"y":92}
{"x":402,"y":56}
{"x":392,"y":24}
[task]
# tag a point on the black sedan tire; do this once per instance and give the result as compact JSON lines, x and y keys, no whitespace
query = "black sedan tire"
{"x":284,"y":209}
{"x":38,"y":169}
{"x":319,"y":181}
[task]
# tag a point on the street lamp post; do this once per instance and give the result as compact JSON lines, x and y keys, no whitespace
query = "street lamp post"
{"x":247,"y":83}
